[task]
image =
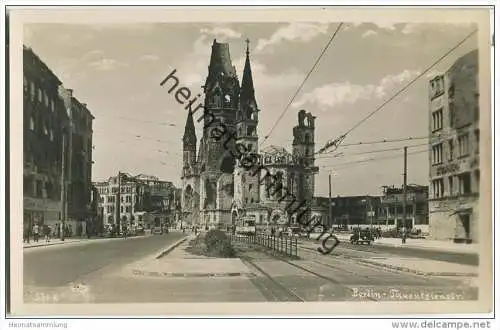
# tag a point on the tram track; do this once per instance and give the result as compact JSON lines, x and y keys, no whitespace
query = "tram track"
{"x":268,"y":286}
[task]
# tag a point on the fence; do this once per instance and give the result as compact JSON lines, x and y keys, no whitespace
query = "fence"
{"x":286,"y":246}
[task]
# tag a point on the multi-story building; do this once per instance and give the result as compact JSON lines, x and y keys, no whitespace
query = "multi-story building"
{"x":454,"y":152}
{"x":79,"y":188}
{"x":391,"y":212}
{"x":348,"y":211}
{"x":45,"y":120}
{"x":53,"y":131}
{"x":139,"y":196}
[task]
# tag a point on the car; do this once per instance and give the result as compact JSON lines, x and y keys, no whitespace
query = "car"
{"x":361,"y":237}
{"x":157,"y":230}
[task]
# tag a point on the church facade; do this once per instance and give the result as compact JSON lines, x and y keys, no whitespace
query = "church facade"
{"x":217,"y":187}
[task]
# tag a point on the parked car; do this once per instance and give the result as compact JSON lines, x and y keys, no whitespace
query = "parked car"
{"x":362,"y":236}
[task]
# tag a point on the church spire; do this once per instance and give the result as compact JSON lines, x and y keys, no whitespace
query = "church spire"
{"x":189,"y":138}
{"x":247,"y":92}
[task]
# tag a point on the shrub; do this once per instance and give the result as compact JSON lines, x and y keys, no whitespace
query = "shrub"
{"x":218,"y":244}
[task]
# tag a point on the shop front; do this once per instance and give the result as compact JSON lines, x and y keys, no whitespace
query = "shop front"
{"x":41,"y":212}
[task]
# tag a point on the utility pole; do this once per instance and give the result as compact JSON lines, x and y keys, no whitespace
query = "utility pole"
{"x":330,"y":220}
{"x":63,"y":185}
{"x":405,"y":174}
{"x":118,"y":196}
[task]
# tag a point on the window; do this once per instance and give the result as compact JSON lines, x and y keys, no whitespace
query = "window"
{"x":52,"y":106}
{"x":437,"y":154}
{"x":121,"y":209}
{"x":25,"y":84}
{"x":39,"y":95}
{"x":127,"y":209}
{"x":450,"y":186}
{"x":463,"y":145}
{"x":477,"y":179}
{"x":32,"y":123}
{"x":45,"y":129}
{"x":46,"y":99}
{"x":438,"y":188}
{"x":250,"y":186}
{"x":476,"y":136}
{"x":450,"y":149}
{"x":32,"y":90}
{"x":51,"y":135}
{"x":437,"y":120}
{"x":464,"y":183}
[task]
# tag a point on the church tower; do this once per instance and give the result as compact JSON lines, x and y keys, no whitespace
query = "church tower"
{"x":217,"y":164}
{"x":247,"y":185}
{"x":190,"y":178}
{"x":303,"y":152}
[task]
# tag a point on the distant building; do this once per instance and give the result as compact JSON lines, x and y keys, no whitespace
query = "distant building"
{"x":391,"y":207}
{"x":140,"y":196}
{"x":45,"y":120}
{"x":454,"y":152}
{"x":348,"y":211}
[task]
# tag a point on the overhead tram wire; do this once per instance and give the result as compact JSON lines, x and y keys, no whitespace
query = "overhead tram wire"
{"x":371,"y":151}
{"x":336,"y":142}
{"x":303,"y":82}
{"x":349,"y":164}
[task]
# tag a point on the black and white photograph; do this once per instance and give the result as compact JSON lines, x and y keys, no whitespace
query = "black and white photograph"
{"x":222,"y":156}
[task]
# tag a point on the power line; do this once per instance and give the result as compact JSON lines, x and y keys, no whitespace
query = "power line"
{"x":136,"y":120}
{"x":371,"y":160}
{"x":372,"y":151}
{"x":303,"y":82}
{"x":335,"y":143}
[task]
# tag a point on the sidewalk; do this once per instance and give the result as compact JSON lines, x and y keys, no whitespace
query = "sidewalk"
{"x":426,"y":244}
{"x":422,"y":266}
{"x":53,"y":241}
{"x":57,"y":241}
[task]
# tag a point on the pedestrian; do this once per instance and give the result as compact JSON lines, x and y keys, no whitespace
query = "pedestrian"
{"x":403,"y":235}
{"x":47,"y":233}
{"x":36,"y":232}
{"x":26,"y":234}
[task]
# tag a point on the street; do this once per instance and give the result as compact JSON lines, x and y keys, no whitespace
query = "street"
{"x":61,"y":265}
{"x":107,"y":272}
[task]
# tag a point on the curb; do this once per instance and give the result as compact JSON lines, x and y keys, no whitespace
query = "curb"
{"x":414,"y":271}
{"x":49,"y":244}
{"x":171,"y":248}
{"x":186,"y":275}
{"x":99,"y":239}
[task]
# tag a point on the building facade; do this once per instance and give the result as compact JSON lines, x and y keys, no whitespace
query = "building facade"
{"x":216,"y":189}
{"x":140,"y":196}
{"x":391,"y":212}
{"x":454,"y":152}
{"x":349,"y":211}
{"x":45,"y":121}
{"x":79,"y":179}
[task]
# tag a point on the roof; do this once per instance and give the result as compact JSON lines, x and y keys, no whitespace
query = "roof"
{"x":275,"y":150}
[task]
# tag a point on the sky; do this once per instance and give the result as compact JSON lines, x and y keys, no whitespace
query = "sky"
{"x":117,"y":69}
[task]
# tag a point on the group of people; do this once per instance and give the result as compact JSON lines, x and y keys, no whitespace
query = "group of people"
{"x":46,"y":232}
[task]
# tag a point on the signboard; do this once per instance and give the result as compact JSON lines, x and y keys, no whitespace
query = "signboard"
{"x":37,"y":204}
{"x":397,"y":198}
